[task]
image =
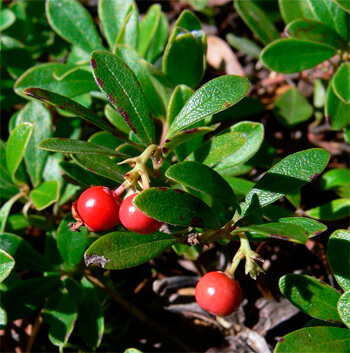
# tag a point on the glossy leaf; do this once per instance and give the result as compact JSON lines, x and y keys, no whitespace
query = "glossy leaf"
{"x":292,"y":108}
{"x":37,"y":115}
{"x":90,"y":321}
{"x":287,"y":175}
{"x":337,"y":112}
{"x":45,"y":194}
{"x":183,"y":59}
{"x":7,"y":263}
{"x":330,"y":211}
{"x":311,"y":296}
{"x":218,"y":148}
{"x":312,"y":227}
{"x":213,"y":97}
{"x":77,"y":146}
{"x":315,"y":31}
{"x":254,"y":134}
{"x":7,"y":18}
{"x":189,"y":21}
{"x":257,"y":20}
{"x":112,"y":14}
{"x":120,"y":85}
{"x":295,"y":55}
{"x":324,"y":339}
{"x":201,"y":178}
{"x":101,"y":165}
{"x":119,"y":250}
{"x":16,"y":146}
{"x":339,"y":257}
{"x":344,"y":308}
{"x":42,"y":76}
{"x":73,"y":23}
{"x":282,"y":231}
{"x":341,"y":83}
{"x":176,"y":207}
{"x":178,"y":99}
{"x":22,"y":299}
{"x":6,"y":208}
{"x":335,"y":178}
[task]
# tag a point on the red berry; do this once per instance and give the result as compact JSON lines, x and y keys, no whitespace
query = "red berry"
{"x":218,"y":293}
{"x":135,"y":220}
{"x":98,"y":208}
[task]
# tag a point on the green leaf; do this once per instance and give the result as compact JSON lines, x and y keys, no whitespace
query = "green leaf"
{"x":16,"y":60}
{"x":61,"y":312}
{"x":37,"y":115}
{"x":183,"y":58}
{"x":343,"y":4}
{"x":239,"y":186}
{"x":90,"y":321}
{"x":214,"y":96}
{"x":287,"y":175}
{"x":101,"y":165}
{"x":282,"y":231}
{"x":330,"y":211}
{"x":201,"y":178}
{"x":176,"y":207}
{"x":45,"y":194}
{"x":26,"y":257}
{"x":112,"y":14}
{"x":189,"y":21}
{"x":72,"y":22}
{"x":184,"y":136}
{"x":77,"y":146}
{"x":7,"y":18}
{"x":218,"y":148}
{"x":254,"y":134}
{"x":77,"y":82}
{"x":292,"y":108}
{"x":120,"y":85}
{"x":244,"y":45}
{"x":316,"y":340}
{"x":344,"y":308}
{"x":312,"y":227}
{"x":341,"y":83}
{"x":315,"y":31}
{"x":119,"y":250}
{"x":257,"y":20}
{"x":22,"y":299}
{"x":295,"y":55}
{"x":311,"y":296}
{"x":7,"y":263}
{"x":339,"y":257}
{"x":335,"y":178}
{"x":71,"y":245}
{"x":178,"y":99}
{"x":337,"y":112}
{"x":6,"y":208}
{"x":16,"y":146}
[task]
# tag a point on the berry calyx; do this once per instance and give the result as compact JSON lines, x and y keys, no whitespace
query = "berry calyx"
{"x":218,"y":293}
{"x":97,"y":208}
{"x":135,"y":220}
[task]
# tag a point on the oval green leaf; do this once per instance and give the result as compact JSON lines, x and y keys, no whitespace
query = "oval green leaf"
{"x":119,"y":250}
{"x":45,"y":194}
{"x":7,"y":263}
{"x":312,"y":227}
{"x":7,"y":18}
{"x":341,"y":83}
{"x":344,"y":308}
{"x":311,"y":296}
{"x":331,"y":211}
{"x":295,"y":55}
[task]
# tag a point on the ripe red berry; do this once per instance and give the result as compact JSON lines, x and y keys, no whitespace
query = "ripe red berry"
{"x":135,"y":220}
{"x":98,"y":208}
{"x":218,"y":293}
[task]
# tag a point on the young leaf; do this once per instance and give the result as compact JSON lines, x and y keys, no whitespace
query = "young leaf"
{"x":120,"y":85}
{"x":71,"y":245}
{"x":119,"y":250}
{"x":341,"y":83}
{"x":295,"y":55}
{"x":78,"y":146}
{"x":318,"y":339}
{"x":72,"y":22}
{"x":7,"y":263}
{"x":287,"y":175}
{"x":330,"y":211}
{"x":312,"y":227}
{"x":256,"y":19}
{"x":176,"y":207}
{"x":218,"y":148}
{"x":112,"y":14}
{"x":16,"y":146}
{"x":344,"y":308}
{"x":339,"y":257}
{"x":189,"y":21}
{"x":36,"y":114}
{"x":214,"y":96}
{"x":201,"y":178}
{"x":311,"y":296}
{"x":292,"y":108}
